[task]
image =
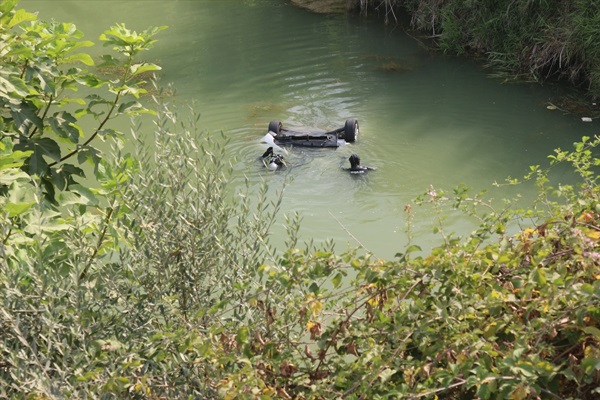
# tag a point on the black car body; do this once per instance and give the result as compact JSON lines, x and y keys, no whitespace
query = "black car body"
{"x":287,"y":137}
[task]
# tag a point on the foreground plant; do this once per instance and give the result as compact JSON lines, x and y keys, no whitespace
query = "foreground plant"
{"x":158,"y":282}
{"x":492,"y":315}
{"x":107,"y":287}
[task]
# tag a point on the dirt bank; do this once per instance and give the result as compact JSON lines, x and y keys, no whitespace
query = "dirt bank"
{"x":323,"y":6}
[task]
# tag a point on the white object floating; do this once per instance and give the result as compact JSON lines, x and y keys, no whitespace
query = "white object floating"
{"x":586,"y":119}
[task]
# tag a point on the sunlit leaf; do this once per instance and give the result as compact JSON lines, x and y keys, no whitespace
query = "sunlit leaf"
{"x":315,"y":307}
{"x":242,"y":335}
{"x":137,"y":69}
{"x":593,"y":234}
{"x":19,"y":17}
{"x":64,"y":125}
{"x":538,"y":275}
{"x":16,"y":209}
{"x":80,"y":57}
{"x":386,"y":374}
{"x":7,"y":5}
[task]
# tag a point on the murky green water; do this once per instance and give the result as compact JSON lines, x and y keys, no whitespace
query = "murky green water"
{"x":432,"y":120}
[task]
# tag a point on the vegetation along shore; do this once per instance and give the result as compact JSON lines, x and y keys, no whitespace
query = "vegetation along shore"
{"x":517,"y":39}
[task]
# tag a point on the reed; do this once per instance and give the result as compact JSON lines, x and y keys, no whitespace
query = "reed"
{"x":525,"y":39}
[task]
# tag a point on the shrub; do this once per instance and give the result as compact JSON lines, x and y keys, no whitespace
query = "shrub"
{"x":490,"y":315}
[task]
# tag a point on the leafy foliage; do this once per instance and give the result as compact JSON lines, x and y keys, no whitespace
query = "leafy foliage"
{"x":40,"y":79}
{"x":491,"y":315}
{"x":158,"y":282}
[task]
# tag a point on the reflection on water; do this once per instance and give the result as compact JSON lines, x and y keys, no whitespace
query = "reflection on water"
{"x":425,"y":119}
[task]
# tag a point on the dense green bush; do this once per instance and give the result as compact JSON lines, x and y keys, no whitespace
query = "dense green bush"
{"x":491,"y":315}
{"x":107,"y":287}
{"x":156,"y":281}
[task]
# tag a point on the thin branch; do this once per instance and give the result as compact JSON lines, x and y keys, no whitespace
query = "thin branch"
{"x":108,"y":115}
{"x":98,"y":244}
{"x":429,"y":393}
{"x":43,"y":116}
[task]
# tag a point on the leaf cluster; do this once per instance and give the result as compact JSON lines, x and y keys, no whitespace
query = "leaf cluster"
{"x":42,"y":113}
{"x":158,"y":281}
{"x":491,"y":315}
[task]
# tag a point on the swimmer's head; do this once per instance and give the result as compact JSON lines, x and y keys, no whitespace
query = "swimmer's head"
{"x":354,"y":161}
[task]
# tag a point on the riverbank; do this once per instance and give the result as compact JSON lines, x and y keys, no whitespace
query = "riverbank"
{"x":533,"y":42}
{"x":322,"y":6}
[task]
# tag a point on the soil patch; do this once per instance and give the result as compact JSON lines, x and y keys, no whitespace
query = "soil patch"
{"x":322,"y":6}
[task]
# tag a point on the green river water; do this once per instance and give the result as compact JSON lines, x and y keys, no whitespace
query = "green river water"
{"x":426,"y":119}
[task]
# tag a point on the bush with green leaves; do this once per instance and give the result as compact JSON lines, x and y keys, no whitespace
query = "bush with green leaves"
{"x":107,"y":287}
{"x":157,"y":281}
{"x":492,"y":315}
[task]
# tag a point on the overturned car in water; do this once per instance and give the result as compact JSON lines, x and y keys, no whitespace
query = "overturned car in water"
{"x":289,"y":137}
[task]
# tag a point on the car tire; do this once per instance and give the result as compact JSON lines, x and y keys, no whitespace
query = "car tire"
{"x":351,"y":130}
{"x":275,"y":127}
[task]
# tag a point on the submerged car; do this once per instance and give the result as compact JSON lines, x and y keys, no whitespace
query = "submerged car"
{"x":289,"y":137}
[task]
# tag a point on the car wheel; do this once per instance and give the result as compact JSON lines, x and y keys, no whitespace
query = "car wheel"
{"x":351,"y":130}
{"x":275,"y":127}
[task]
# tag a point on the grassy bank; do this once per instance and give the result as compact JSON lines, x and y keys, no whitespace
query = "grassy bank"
{"x":525,"y":39}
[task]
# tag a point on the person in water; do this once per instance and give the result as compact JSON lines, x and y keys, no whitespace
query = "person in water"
{"x":273,"y":161}
{"x":355,"y":167}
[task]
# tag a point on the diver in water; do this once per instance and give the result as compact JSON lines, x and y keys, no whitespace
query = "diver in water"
{"x":355,"y":167}
{"x":273,"y":161}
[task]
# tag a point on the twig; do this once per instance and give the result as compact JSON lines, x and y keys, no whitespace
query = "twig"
{"x":425,"y":394}
{"x":108,"y":115}
{"x":348,"y":232}
{"x":98,"y":244}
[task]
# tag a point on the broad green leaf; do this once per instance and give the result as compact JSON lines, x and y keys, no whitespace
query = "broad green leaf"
{"x":13,"y":85}
{"x":47,"y":147}
{"x":85,"y":194}
{"x":108,"y":61}
{"x":129,"y":107}
{"x":18,"y":50}
{"x":94,"y":100}
{"x":144,"y":67}
{"x":64,"y":125}
{"x":14,"y":159}
{"x":80,"y":57}
{"x":8,"y":176}
{"x":83,"y":43}
{"x":538,"y":276}
{"x":41,"y":147}
{"x":592,"y":330}
{"x":91,"y":80}
{"x":7,"y":5}
{"x":25,"y":117}
{"x":386,"y":374}
{"x":45,"y":77}
{"x":590,"y":364}
{"x":242,"y":335}
{"x":19,"y":17}
{"x":337,"y":280}
{"x":14,"y":210}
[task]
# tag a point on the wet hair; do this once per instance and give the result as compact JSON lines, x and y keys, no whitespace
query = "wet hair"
{"x":267,"y":153}
{"x":354,"y":161}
